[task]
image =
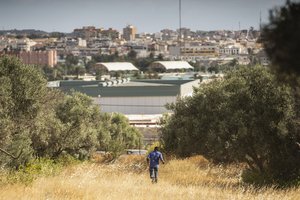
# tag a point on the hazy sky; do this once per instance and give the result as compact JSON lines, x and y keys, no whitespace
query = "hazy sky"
{"x":146,"y":15}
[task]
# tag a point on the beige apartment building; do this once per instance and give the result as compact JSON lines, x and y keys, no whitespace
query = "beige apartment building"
{"x":48,"y":58}
{"x":199,"y":51}
{"x":129,"y":33}
{"x":189,"y":53}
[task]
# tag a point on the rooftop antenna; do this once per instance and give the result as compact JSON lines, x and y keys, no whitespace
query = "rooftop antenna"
{"x":180,"y":19}
{"x":260,"y":21}
{"x":179,"y":28}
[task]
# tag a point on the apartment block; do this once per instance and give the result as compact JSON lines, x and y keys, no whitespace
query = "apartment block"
{"x":48,"y":58}
{"x":129,"y":33}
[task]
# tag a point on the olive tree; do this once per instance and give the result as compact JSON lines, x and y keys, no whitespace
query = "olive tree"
{"x":115,"y":135}
{"x":245,"y":117}
{"x":281,"y":38}
{"x":36,"y":121}
{"x":22,"y":88}
{"x":281,"y":41}
{"x":77,"y":135}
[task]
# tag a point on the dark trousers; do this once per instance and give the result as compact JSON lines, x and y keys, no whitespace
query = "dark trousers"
{"x":153,"y":173}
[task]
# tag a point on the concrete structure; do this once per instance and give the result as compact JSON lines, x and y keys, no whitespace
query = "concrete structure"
{"x":117,"y":66}
{"x":48,"y":58}
{"x":230,"y":50}
{"x":86,"y":32}
{"x":129,"y":33}
{"x":178,"y":76}
{"x":144,"y":120}
{"x":110,"y":33}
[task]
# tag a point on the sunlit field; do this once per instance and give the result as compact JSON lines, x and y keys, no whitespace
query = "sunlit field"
{"x":127,"y":178}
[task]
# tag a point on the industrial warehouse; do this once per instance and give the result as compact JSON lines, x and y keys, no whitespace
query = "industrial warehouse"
{"x":143,"y":101}
{"x":138,"y":97}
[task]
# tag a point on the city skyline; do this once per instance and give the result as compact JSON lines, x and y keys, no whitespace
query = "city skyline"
{"x":147,"y":16}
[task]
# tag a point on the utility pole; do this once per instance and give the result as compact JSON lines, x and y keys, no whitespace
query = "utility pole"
{"x":180,"y":19}
{"x":179,"y":38}
{"x":260,"y":21}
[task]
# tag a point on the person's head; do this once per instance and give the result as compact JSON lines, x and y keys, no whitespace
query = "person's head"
{"x":155,"y":148}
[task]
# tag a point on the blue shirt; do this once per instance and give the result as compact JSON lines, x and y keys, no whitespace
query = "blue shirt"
{"x":154,"y":158}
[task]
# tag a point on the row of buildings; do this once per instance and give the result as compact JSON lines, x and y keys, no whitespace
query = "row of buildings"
{"x":88,"y":32}
{"x":199,"y":46}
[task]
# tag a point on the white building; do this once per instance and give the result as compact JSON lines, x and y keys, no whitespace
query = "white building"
{"x":117,"y":66}
{"x":171,"y":66}
{"x":23,"y":44}
{"x":81,"y":42}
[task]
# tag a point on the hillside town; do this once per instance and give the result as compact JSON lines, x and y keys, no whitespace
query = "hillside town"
{"x":202,"y":48}
{"x":136,"y":74}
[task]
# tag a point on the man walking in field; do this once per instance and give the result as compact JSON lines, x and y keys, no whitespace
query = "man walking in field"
{"x":153,"y":161}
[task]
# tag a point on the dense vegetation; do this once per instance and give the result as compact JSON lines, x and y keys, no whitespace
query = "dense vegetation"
{"x":36,"y":121}
{"x":245,"y":117}
{"x":250,"y":116}
{"x":281,"y":38}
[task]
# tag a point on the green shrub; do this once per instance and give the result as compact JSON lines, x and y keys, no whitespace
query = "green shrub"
{"x":66,"y":160}
{"x":256,"y":178}
{"x":34,"y":169}
{"x":259,"y":179}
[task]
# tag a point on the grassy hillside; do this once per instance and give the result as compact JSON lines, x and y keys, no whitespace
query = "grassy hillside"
{"x":192,"y":178}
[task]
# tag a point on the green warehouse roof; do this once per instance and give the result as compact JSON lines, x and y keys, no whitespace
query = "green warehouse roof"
{"x":138,"y":88}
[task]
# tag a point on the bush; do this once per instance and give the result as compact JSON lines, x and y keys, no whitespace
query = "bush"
{"x":256,"y":178}
{"x":116,"y":135}
{"x":259,"y":179}
{"x":36,"y":168}
{"x":32,"y":170}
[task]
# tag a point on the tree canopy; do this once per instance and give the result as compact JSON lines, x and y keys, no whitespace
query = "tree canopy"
{"x":22,"y":91}
{"x":246,"y":117}
{"x":282,"y":44}
{"x":36,"y":121}
{"x":281,"y":38}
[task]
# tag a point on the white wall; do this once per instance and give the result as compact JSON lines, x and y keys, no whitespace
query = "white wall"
{"x":187,"y":88}
{"x":135,"y":105}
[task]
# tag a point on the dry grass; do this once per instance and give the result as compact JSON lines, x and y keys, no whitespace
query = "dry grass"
{"x":127,"y":178}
